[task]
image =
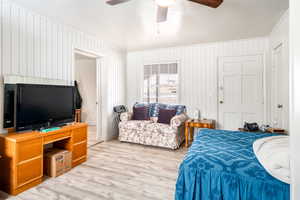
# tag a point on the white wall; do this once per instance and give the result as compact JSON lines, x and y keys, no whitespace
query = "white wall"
{"x":197,"y":69}
{"x":280,"y":36}
{"x":33,"y":45}
{"x":295,"y":97}
{"x":85,"y":75}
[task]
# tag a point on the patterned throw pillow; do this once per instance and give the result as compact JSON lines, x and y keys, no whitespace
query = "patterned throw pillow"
{"x":179,"y":108}
{"x":154,"y":108}
{"x":165,"y":115}
{"x":141,"y":113}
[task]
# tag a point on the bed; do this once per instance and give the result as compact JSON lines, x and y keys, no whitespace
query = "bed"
{"x":221,"y":165}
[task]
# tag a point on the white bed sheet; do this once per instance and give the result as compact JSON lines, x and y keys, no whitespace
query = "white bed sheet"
{"x":273,"y":154}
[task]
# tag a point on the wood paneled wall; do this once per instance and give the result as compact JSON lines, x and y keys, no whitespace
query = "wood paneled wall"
{"x":33,"y":45}
{"x":197,"y":69}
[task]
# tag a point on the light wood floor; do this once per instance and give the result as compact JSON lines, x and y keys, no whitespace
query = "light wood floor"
{"x":114,"y":170}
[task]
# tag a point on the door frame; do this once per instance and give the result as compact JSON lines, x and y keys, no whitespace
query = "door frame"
{"x":275,"y":78}
{"x":99,"y":59}
{"x":263,"y":56}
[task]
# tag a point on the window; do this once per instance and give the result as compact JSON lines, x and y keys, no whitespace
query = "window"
{"x":161,"y":83}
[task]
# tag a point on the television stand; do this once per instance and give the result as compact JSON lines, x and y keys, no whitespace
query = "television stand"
{"x":48,"y":128}
{"x":22,"y":154}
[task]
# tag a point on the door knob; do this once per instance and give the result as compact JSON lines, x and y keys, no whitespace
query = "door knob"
{"x":221,"y":102}
{"x":279,"y":106}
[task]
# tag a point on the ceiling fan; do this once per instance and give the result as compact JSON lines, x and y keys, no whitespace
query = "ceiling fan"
{"x":163,"y":5}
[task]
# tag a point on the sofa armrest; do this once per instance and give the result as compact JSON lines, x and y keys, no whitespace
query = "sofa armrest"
{"x":126,"y":116}
{"x":178,"y":120}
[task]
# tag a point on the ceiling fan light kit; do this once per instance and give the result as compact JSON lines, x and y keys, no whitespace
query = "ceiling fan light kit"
{"x":115,"y":2}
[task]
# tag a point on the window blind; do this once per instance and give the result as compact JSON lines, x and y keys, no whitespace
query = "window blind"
{"x":161,"y":83}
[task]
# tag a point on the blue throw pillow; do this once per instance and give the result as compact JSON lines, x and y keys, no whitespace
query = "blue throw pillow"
{"x":179,"y":108}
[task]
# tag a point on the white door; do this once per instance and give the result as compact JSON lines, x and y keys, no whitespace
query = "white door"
{"x":281,"y":90}
{"x":241,"y":94}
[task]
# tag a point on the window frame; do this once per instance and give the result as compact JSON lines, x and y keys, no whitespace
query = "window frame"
{"x":178,"y":87}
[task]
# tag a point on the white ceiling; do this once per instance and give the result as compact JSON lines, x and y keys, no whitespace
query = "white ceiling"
{"x":132,"y":25}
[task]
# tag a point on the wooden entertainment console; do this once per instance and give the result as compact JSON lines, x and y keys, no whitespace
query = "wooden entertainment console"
{"x":21,"y":155}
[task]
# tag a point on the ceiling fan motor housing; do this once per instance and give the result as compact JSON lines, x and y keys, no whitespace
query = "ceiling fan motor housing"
{"x":210,"y":3}
{"x":115,"y":2}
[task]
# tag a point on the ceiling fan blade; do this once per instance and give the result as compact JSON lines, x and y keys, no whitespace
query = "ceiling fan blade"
{"x":210,"y":3}
{"x":162,"y":13}
{"x":115,"y":2}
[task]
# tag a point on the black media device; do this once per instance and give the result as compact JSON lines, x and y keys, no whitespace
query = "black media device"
{"x":251,"y":126}
{"x":9,"y":105}
{"x":42,"y":106}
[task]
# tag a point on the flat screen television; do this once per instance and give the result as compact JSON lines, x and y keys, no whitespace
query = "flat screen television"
{"x":43,"y":105}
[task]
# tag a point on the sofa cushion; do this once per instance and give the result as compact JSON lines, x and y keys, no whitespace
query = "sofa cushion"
{"x":155,"y":129}
{"x":141,"y":113}
{"x":165,"y":115}
{"x":134,"y":124}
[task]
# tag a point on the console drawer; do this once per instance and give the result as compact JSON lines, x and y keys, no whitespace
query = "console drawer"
{"x":29,"y":149}
{"x":79,"y":150}
{"x":56,"y":137}
{"x":29,"y":171}
{"x":79,"y":135}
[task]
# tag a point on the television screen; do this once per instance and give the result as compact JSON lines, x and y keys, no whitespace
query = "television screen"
{"x":39,"y":104}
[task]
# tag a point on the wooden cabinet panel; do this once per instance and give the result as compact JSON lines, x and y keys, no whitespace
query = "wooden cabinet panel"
{"x":29,"y":149}
{"x":78,"y":161}
{"x":29,"y":171}
{"x":79,"y":135}
{"x":56,"y":137}
{"x":25,"y":187}
{"x":79,"y":150}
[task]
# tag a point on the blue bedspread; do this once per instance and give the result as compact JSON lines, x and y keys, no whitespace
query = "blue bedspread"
{"x":221,"y":165}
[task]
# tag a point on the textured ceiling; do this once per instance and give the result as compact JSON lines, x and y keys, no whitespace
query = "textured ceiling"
{"x":132,"y":25}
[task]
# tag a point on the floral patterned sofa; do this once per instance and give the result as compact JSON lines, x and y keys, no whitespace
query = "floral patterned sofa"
{"x":152,"y":133}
